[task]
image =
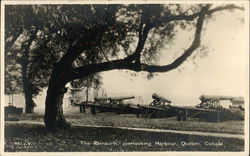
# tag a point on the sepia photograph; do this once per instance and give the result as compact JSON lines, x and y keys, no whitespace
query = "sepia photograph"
{"x":165,"y":77}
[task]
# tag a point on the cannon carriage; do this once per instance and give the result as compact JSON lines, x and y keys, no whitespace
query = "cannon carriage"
{"x":213,"y":102}
{"x":159,"y":101}
{"x":209,"y":109}
{"x":112,"y":101}
{"x":112,"y":104}
{"x":158,"y":108}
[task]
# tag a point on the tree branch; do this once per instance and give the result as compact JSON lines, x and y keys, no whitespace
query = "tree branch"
{"x":195,"y":44}
{"x":227,"y":7}
{"x":86,"y":70}
{"x":195,"y":15}
{"x":126,"y":62}
{"x":144,"y":29}
{"x":89,"y":40}
{"x":143,"y":34}
{"x":72,"y":53}
{"x":9,"y":44}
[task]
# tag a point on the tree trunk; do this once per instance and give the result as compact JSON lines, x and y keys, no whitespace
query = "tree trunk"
{"x":54,"y":117}
{"x":29,"y":103}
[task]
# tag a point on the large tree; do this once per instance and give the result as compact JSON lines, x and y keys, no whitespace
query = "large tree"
{"x":32,"y":47}
{"x":23,"y":70}
{"x":24,"y":65}
{"x":111,"y":37}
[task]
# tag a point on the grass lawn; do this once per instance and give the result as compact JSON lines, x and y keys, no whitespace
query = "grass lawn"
{"x":110,"y":119}
{"x":35,"y":138}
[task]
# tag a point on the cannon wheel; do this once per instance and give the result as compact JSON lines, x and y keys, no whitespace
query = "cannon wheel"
{"x":93,"y":110}
{"x":82,"y":109}
{"x":181,"y":116}
{"x":178,"y":117}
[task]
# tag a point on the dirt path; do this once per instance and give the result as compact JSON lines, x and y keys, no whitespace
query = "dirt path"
{"x":223,"y":135}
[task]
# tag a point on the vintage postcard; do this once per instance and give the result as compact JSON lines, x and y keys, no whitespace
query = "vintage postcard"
{"x":124,"y":77}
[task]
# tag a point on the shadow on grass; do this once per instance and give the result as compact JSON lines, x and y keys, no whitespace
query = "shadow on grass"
{"x":36,"y":138}
{"x":124,"y":120}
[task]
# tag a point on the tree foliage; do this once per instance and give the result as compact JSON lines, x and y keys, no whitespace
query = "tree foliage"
{"x":91,"y":34}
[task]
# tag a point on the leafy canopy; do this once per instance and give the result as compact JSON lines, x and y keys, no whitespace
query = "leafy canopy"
{"x":87,"y":39}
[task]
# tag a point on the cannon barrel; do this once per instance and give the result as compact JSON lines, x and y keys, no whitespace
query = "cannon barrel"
{"x":102,"y":98}
{"x":122,"y":98}
{"x":238,"y":100}
{"x":115,"y":98}
{"x":158,"y":97}
{"x":215,"y":97}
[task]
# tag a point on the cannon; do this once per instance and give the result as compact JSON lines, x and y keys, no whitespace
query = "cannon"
{"x":160,"y":98}
{"x":114,"y":101}
{"x":238,"y":103}
{"x":238,"y":100}
{"x":114,"y":104}
{"x":122,"y":98}
{"x":102,"y":98}
{"x":214,"y":97}
{"x":159,"y":101}
{"x":213,"y":101}
{"x":115,"y":98}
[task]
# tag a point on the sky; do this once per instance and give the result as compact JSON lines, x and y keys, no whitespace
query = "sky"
{"x":223,"y":72}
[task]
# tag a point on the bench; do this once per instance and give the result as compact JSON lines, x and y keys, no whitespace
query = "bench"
{"x":12,"y":110}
